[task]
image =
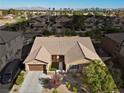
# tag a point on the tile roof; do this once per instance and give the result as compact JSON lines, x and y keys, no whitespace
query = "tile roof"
{"x":73,"y":48}
{"x":118,"y":37}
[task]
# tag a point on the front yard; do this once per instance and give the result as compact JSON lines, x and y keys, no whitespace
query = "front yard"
{"x":94,"y":78}
{"x":18,"y":82}
{"x":70,"y":82}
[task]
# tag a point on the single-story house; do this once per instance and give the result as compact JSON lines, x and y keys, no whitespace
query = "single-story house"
{"x":61,"y":53}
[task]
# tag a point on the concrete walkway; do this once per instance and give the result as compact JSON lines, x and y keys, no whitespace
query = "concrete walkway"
{"x":31,"y":83}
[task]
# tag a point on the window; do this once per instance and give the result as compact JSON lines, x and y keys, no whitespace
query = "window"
{"x":57,"y":58}
{"x":74,"y":67}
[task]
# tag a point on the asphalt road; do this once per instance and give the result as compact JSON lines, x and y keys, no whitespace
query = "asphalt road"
{"x":4,"y":88}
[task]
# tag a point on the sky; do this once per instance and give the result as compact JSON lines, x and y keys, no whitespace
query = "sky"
{"x":62,"y":3}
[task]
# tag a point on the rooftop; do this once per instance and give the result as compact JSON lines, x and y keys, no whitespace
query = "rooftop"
{"x":73,"y":48}
{"x":6,"y":36}
{"x":117,"y":37}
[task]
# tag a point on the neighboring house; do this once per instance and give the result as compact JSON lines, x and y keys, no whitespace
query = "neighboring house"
{"x":11,"y":44}
{"x":62,"y":53}
{"x":9,"y":16}
{"x":114,"y":44}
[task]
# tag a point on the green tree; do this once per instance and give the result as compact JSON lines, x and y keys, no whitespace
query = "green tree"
{"x":98,"y":78}
{"x":46,"y":33}
{"x":69,"y":32}
{"x":116,"y":74}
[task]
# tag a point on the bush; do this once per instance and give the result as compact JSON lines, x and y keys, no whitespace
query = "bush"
{"x":20,"y":79}
{"x":15,"y":90}
{"x":98,"y":78}
{"x":21,"y":74}
{"x":54,"y":66}
{"x":45,"y":80}
{"x":74,"y":75}
{"x":68,"y":85}
{"x":55,"y":91}
{"x":69,"y":32}
{"x":75,"y":90}
{"x":46,"y":33}
{"x":53,"y":69}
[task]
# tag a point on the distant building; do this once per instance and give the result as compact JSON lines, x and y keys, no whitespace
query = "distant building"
{"x":114,"y":44}
{"x":9,"y":16}
{"x":11,"y":44}
{"x":1,"y":13}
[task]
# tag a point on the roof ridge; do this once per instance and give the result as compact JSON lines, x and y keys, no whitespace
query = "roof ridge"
{"x":46,"y":48}
{"x":32,"y":53}
{"x":39,"y":52}
{"x":70,"y":48}
{"x":94,"y":53}
{"x":81,"y":48}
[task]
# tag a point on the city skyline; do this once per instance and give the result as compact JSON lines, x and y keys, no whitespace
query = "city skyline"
{"x":62,"y":3}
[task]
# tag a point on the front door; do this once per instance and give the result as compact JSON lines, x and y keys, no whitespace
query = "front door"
{"x":60,"y":65}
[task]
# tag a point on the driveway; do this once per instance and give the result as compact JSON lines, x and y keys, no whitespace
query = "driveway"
{"x":31,"y":83}
{"x":4,"y":89}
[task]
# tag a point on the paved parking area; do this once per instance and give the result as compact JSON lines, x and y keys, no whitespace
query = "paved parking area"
{"x":31,"y":83}
{"x":3,"y":90}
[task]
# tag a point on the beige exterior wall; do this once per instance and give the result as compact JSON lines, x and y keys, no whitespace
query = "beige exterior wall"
{"x":77,"y":62}
{"x":31,"y":62}
{"x":36,"y":62}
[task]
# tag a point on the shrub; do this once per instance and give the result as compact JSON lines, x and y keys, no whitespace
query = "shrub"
{"x":68,"y":85}
{"x":55,"y":91}
{"x":21,"y":74}
{"x":45,"y":80}
{"x":46,"y":33}
{"x":74,"y":75}
{"x":53,"y":69}
{"x":15,"y":90}
{"x":20,"y":79}
{"x":75,"y":90}
{"x":98,"y":78}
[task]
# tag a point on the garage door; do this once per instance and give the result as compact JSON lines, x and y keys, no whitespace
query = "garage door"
{"x":35,"y":67}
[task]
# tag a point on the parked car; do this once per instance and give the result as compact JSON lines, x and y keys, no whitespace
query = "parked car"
{"x":10,"y":72}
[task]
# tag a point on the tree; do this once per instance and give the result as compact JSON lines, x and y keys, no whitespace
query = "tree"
{"x":69,"y":32}
{"x":98,"y":78}
{"x":46,"y":33}
{"x":116,"y":74}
